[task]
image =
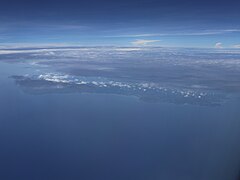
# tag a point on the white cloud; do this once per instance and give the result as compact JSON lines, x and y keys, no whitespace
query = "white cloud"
{"x":143,"y":42}
{"x":218,"y":45}
{"x":237,"y":46}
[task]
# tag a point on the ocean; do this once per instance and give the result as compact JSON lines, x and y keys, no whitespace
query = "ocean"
{"x":110,"y":113}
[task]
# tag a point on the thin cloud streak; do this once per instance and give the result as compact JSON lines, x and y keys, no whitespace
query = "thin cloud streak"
{"x":236,"y":46}
{"x":6,"y":26}
{"x":143,"y":42}
{"x":34,"y":45}
{"x":203,"y":33}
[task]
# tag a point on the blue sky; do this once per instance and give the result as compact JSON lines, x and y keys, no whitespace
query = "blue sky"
{"x":172,"y":23}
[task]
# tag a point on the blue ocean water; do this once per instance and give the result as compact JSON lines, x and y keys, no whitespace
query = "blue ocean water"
{"x":119,"y":113}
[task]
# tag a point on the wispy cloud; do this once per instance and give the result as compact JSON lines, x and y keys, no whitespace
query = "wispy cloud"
{"x":34,"y":45}
{"x":236,"y":46}
{"x":143,"y":42}
{"x":28,"y":25}
{"x":218,"y":45}
{"x":199,"y":33}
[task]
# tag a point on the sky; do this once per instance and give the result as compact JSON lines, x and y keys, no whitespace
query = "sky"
{"x":167,"y":23}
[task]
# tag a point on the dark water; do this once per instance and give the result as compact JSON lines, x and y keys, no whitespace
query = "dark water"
{"x":114,"y":116}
